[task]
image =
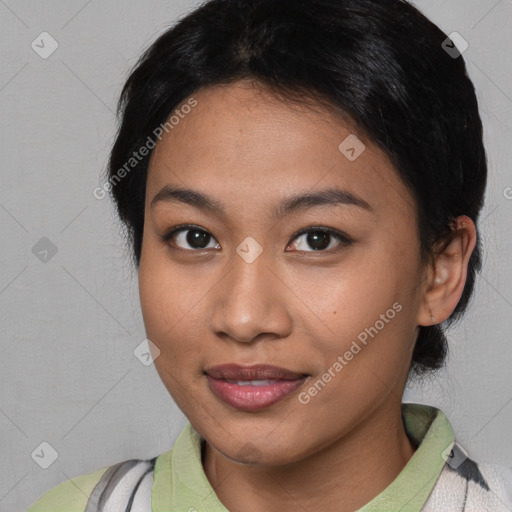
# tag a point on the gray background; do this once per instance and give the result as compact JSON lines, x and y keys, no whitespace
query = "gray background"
{"x":68,"y":373}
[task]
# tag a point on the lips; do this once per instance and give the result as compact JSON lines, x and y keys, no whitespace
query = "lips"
{"x":254,"y":372}
{"x":252,"y":388}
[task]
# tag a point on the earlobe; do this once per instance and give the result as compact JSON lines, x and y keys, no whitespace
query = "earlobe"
{"x":447,"y":275}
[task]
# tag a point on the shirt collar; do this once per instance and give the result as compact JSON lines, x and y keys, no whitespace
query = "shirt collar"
{"x":180,"y":482}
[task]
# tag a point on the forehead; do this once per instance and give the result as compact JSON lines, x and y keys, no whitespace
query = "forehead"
{"x":241,"y":143}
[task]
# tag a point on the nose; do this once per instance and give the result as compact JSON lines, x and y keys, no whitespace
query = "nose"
{"x":250,"y":302}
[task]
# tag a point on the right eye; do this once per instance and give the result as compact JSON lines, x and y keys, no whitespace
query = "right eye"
{"x":197,"y":238}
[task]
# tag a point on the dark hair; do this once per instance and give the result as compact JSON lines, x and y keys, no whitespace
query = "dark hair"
{"x":380,"y":64}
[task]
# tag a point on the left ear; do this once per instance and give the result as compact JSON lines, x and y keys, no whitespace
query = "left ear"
{"x":447,"y":274}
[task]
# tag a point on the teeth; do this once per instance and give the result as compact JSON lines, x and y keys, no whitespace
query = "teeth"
{"x":251,"y":382}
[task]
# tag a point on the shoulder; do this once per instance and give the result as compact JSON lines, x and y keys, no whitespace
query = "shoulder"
{"x":122,"y":486}
{"x":71,"y":495}
{"x":499,"y":480}
{"x":472,"y":487}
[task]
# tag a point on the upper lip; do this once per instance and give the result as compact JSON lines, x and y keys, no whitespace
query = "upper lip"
{"x":254,"y":372}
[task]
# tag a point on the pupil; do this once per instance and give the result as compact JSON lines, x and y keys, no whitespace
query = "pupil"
{"x":318,"y":236}
{"x":198,"y":237}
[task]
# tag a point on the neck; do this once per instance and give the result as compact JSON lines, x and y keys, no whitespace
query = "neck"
{"x":343,"y":476}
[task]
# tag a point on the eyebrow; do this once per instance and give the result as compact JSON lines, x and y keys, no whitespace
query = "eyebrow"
{"x":295,"y":203}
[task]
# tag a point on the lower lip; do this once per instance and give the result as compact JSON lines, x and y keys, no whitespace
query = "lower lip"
{"x":253,"y":398}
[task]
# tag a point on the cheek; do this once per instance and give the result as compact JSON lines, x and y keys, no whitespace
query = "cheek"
{"x":160,"y":306}
{"x":164,"y":315}
{"x":163,"y":290}
{"x":379,"y":302}
{"x":362,"y":309}
{"x":171,"y":309}
{"x":348,"y":297}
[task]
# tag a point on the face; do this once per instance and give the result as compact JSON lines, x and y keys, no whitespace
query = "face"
{"x":326,"y":288}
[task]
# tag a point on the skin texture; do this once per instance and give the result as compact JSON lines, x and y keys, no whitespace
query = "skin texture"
{"x":294,"y":306}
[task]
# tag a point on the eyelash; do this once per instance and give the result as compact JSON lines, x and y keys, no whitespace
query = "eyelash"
{"x":345,"y":241}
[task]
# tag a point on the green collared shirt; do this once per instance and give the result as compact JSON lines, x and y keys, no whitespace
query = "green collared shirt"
{"x":180,"y":483}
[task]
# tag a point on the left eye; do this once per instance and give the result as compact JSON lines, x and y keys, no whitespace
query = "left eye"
{"x":196,"y":238}
{"x":319,"y":239}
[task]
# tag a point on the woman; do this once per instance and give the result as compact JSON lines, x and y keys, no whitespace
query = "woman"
{"x":301,"y":182}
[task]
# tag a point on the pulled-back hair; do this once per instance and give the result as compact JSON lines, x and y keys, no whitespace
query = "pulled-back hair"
{"x":383,"y":65}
